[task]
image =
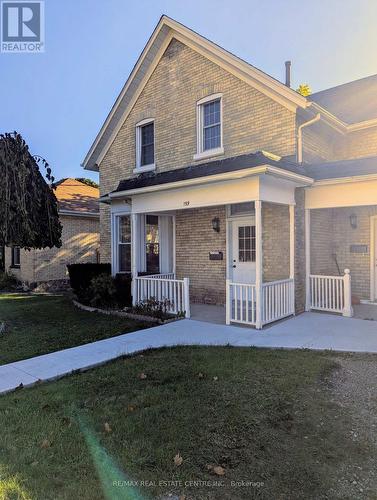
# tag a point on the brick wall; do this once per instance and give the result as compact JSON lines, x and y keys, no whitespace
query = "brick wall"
{"x":321,"y":143}
{"x":251,"y":121}
{"x":195,"y":238}
{"x":275,"y":222}
{"x":80,"y":242}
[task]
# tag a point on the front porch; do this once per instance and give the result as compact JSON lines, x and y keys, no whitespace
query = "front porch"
{"x":224,"y":263}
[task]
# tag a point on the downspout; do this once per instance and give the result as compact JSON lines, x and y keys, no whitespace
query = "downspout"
{"x":299,"y":135}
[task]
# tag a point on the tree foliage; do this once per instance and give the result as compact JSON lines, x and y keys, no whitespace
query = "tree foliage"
{"x":304,"y":89}
{"x":88,"y":182}
{"x":28,"y":207}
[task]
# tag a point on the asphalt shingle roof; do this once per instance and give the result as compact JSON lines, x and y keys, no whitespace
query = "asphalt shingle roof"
{"x":75,"y":196}
{"x":352,"y":102}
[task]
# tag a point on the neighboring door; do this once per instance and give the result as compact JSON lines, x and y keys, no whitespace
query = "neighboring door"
{"x":242,"y":262}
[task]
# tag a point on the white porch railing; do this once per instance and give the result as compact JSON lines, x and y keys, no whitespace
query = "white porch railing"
{"x":278,"y":300}
{"x":166,"y":276}
{"x":331,"y":293}
{"x":176,"y":292}
{"x":240,"y":303}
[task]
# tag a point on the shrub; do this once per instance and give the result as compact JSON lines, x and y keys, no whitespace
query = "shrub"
{"x":123,"y":290}
{"x":153,"y":307}
{"x":81,"y":278}
{"x":8,"y":281}
{"x":102,"y":291}
{"x":81,"y":275}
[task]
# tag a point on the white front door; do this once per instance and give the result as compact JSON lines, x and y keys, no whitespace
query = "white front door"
{"x":242,"y":261}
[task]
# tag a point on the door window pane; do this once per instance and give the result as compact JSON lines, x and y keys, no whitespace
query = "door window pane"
{"x":246,"y":244}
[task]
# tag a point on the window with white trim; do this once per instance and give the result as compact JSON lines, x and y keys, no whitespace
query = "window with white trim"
{"x":16,"y":257}
{"x":209,"y":126}
{"x":124,"y":244}
{"x":145,"y":145}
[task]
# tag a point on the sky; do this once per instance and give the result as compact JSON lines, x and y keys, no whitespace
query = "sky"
{"x":59,"y":99}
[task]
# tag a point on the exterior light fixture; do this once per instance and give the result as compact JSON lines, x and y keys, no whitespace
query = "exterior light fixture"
{"x":216,"y":224}
{"x":353,"y":221}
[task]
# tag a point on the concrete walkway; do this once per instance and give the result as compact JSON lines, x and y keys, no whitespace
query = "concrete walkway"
{"x":309,"y":330}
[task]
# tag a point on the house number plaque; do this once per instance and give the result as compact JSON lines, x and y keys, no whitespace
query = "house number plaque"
{"x":215,"y":256}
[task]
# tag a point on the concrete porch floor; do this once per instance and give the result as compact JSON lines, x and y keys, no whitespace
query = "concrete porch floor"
{"x":365,"y":311}
{"x":208,"y":313}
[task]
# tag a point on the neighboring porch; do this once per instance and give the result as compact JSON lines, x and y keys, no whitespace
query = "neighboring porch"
{"x":341,"y":259}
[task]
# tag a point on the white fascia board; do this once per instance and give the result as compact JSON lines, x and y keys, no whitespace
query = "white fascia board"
{"x":345,"y":180}
{"x":342,"y":194}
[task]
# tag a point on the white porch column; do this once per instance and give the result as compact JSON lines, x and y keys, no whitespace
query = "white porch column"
{"x":134,"y":255}
{"x":307,"y":258}
{"x":292,"y":251}
{"x":258,"y":263}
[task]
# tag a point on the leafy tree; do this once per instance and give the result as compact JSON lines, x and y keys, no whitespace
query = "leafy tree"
{"x":304,"y":89}
{"x":88,"y":182}
{"x":28,"y":207}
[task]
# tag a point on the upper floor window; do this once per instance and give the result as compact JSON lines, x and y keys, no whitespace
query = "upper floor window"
{"x":209,"y":127}
{"x":145,"y":146}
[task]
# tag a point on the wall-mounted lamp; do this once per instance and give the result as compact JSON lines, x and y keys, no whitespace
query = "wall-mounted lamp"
{"x":216,"y":224}
{"x":353,"y":221}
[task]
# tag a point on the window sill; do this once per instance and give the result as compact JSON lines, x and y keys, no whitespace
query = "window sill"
{"x":15,"y":267}
{"x":145,"y":168}
{"x":209,"y":154}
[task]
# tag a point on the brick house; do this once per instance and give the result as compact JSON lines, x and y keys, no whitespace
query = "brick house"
{"x":79,"y":216}
{"x":221,"y":185}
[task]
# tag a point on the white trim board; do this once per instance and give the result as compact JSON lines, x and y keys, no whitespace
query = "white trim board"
{"x":264,"y":187}
{"x":348,"y":194}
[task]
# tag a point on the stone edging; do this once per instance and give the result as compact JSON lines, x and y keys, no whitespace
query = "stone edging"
{"x":123,"y":314}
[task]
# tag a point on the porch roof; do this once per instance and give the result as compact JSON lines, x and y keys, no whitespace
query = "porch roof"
{"x":342,"y":168}
{"x":216,"y":167}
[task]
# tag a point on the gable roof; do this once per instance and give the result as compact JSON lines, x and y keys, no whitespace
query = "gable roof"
{"x":351,"y":102}
{"x":75,"y":196}
{"x":165,"y":31}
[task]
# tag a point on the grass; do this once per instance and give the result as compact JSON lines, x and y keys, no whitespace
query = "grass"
{"x":39,"y":324}
{"x":267,"y":417}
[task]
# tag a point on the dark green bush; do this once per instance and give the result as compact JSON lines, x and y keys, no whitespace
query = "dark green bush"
{"x":8,"y":281}
{"x":81,"y":278}
{"x":81,"y":275}
{"x":123,"y":290}
{"x":102,"y":291}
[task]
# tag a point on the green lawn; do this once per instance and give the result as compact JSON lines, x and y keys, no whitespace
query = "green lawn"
{"x":266,"y":417}
{"x":38,"y":324}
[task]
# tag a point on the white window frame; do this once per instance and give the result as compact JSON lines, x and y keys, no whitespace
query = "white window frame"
{"x":152,"y":166}
{"x":200,"y":152}
{"x":116,"y":219}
